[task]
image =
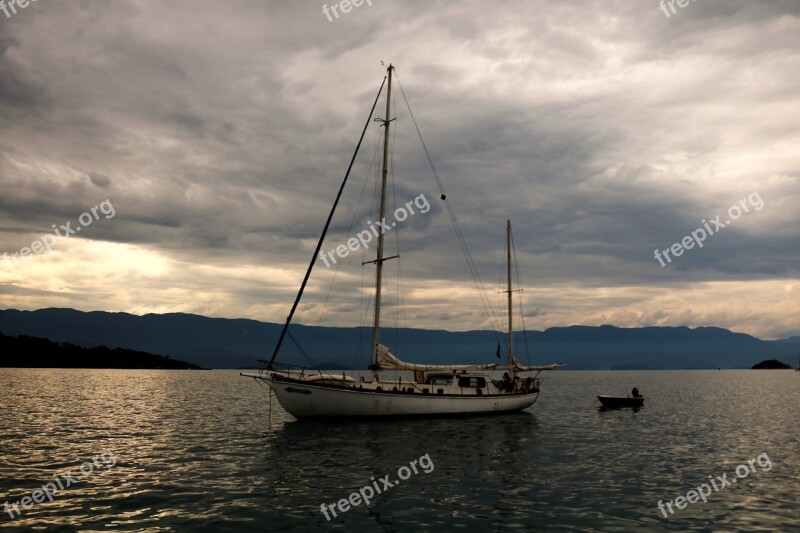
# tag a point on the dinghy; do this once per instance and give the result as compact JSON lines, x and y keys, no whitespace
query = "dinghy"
{"x":616,"y":402}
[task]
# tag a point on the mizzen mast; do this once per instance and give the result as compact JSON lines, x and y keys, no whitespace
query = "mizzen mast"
{"x":509,"y":290}
{"x":510,"y":314}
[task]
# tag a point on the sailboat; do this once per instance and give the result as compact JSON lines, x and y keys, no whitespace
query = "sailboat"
{"x":434,"y":389}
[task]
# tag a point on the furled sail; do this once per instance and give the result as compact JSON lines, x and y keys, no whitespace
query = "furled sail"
{"x":388,"y":361}
{"x":519,"y":368}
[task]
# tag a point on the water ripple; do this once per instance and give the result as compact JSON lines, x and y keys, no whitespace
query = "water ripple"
{"x":202,"y":451}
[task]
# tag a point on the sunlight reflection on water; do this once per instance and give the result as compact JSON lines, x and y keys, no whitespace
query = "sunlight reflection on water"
{"x":200,"y":450}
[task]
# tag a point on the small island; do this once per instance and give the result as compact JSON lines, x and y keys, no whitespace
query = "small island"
{"x":771,"y":364}
{"x":35,"y":352}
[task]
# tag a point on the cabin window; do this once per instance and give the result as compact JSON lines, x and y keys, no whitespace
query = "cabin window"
{"x":472,"y":382}
{"x":439,"y":380}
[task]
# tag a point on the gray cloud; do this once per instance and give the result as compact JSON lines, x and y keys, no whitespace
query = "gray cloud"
{"x":220,"y":132}
{"x":99,"y":180}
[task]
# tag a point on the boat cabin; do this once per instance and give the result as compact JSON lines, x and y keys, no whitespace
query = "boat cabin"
{"x":439,"y":379}
{"x":464,"y":380}
{"x":475,"y":382}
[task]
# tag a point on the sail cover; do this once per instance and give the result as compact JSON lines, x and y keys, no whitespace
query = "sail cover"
{"x":519,"y":368}
{"x":387,"y":361}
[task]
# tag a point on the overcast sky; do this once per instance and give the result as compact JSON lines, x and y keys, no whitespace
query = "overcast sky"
{"x":219,"y":132}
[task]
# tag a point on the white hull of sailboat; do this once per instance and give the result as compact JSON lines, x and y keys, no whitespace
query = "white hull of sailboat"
{"x":302,"y":400}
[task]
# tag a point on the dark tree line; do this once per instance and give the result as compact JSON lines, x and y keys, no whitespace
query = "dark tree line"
{"x":34,"y":352}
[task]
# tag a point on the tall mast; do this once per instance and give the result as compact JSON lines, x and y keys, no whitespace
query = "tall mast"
{"x":510,"y":315}
{"x":376,"y":326}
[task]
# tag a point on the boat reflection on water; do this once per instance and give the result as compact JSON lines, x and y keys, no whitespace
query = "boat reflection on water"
{"x":360,"y":449}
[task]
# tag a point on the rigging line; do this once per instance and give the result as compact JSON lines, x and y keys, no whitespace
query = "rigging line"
{"x":328,"y":296}
{"x":349,"y":230}
{"x":401,"y":316}
{"x":389,"y":299}
{"x":365,"y":306}
{"x":521,"y":310}
{"x":324,"y":231}
{"x":359,"y":339}
{"x":501,"y":289}
{"x":487,"y":305}
{"x":393,"y":180}
{"x":363,"y":311}
{"x":400,"y":299}
{"x":363,"y":254}
{"x":488,"y":308}
{"x":339,"y":265}
{"x":524,"y":332}
{"x":302,"y":351}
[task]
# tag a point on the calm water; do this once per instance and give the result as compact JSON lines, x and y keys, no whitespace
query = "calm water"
{"x":199,"y":451}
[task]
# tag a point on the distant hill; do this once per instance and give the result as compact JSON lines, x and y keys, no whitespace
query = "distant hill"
{"x":772,"y":364}
{"x":237,"y":343}
{"x":33,"y":352}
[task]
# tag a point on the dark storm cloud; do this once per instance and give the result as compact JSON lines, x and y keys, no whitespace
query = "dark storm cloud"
{"x":20,"y":93}
{"x":221,"y":131}
{"x":100,"y":180}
